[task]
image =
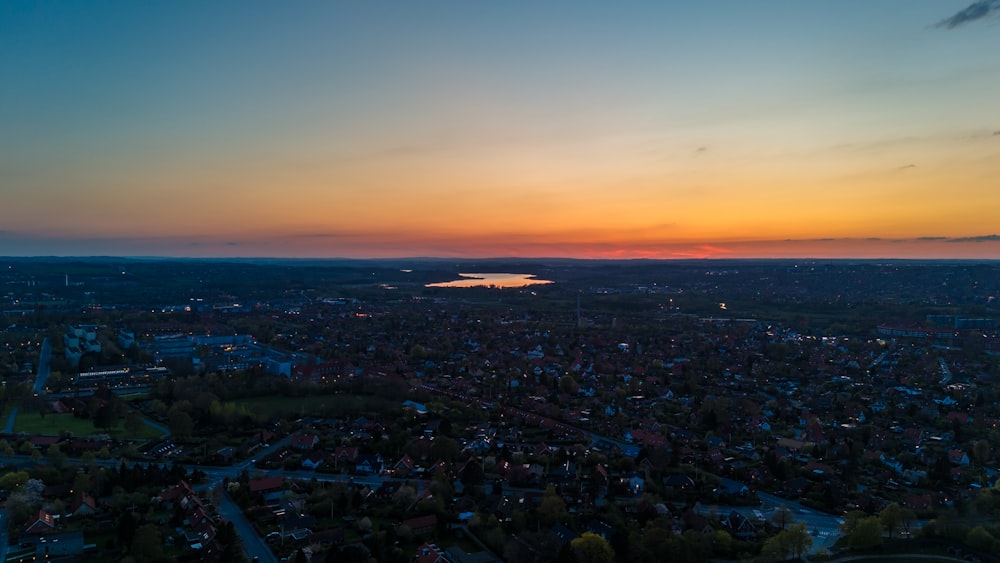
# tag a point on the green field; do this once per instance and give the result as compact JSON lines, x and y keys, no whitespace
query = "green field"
{"x":53,"y":424}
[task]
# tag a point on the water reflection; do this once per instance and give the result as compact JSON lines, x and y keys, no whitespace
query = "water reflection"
{"x":499,"y":280}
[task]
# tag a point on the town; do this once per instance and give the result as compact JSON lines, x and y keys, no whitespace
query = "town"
{"x":353,"y":410}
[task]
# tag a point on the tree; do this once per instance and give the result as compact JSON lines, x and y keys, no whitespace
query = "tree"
{"x":867,"y":533}
{"x":405,"y":496}
{"x":104,"y":417}
{"x":890,"y":518}
{"x":56,"y":456}
{"x":473,"y":475}
{"x":799,"y":541}
{"x":133,"y":422}
{"x":979,"y":538}
{"x":147,"y":544}
{"x":774,"y":548}
{"x":180,"y":423}
{"x":793,"y":542}
{"x":25,"y":500}
{"x":13,"y":479}
{"x":782,"y":517}
{"x":444,"y":448}
{"x":126,"y":528}
{"x":552,"y":507}
{"x":981,"y":451}
{"x":568,"y":385}
{"x":592,"y":548}
{"x":907,"y":518}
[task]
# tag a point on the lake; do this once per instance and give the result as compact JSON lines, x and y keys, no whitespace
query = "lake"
{"x":500,"y":280}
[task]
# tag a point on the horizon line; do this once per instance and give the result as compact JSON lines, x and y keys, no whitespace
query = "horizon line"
{"x":479,"y":258}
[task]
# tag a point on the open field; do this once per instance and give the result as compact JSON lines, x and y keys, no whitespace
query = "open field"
{"x":53,"y":424}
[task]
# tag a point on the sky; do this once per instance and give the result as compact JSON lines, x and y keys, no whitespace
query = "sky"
{"x":588,"y":129}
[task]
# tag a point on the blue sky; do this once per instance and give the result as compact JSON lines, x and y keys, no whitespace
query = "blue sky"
{"x":661,"y":129}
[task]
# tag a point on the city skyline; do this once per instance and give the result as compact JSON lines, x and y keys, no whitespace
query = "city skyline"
{"x":588,"y":130}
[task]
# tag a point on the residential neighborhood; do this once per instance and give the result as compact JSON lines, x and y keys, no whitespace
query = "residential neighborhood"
{"x":693,"y":411}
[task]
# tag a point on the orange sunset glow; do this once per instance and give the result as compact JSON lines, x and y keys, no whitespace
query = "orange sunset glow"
{"x":594,"y":131}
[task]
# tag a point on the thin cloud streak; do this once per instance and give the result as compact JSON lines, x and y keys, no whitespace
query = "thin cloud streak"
{"x":985,"y":238}
{"x":972,"y":12}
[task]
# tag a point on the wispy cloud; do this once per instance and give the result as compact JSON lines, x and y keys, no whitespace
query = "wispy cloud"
{"x":975,"y":11}
{"x":983,"y":238}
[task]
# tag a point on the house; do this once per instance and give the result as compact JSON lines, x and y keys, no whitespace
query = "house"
{"x":82,"y":505}
{"x":600,"y":528}
{"x":345,"y":453}
{"x":266,"y":484}
{"x":679,"y":482}
{"x":796,"y":487}
{"x":918,"y":502}
{"x":44,"y":442}
{"x":368,"y":464}
{"x":759,"y":423}
{"x":740,"y":526}
{"x":697,"y":522}
{"x":459,"y":555}
{"x":327,"y":538}
{"x":55,"y":547}
{"x":563,"y":534}
{"x":422,"y":525}
{"x":819,"y":468}
{"x":731,"y":487}
{"x":418,"y":408}
{"x":304,"y":441}
{"x":634,"y":485}
{"x":542,"y":449}
{"x":430,"y":553}
{"x":601,"y":475}
{"x":959,"y":417}
{"x":41,"y":523}
{"x":404,"y":466}
{"x":313,"y":460}
{"x":958,"y":457}
{"x":914,"y":436}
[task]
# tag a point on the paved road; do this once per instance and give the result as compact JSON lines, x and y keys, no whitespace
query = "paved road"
{"x":823,"y":528}
{"x":899,"y":557}
{"x":252,"y":543}
{"x":3,"y":535}
{"x":44,"y":363}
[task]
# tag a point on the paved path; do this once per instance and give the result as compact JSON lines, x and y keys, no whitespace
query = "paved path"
{"x":9,"y":429}
{"x":164,"y":431}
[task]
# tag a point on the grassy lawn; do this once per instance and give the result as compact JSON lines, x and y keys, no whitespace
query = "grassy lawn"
{"x":34,"y":423}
